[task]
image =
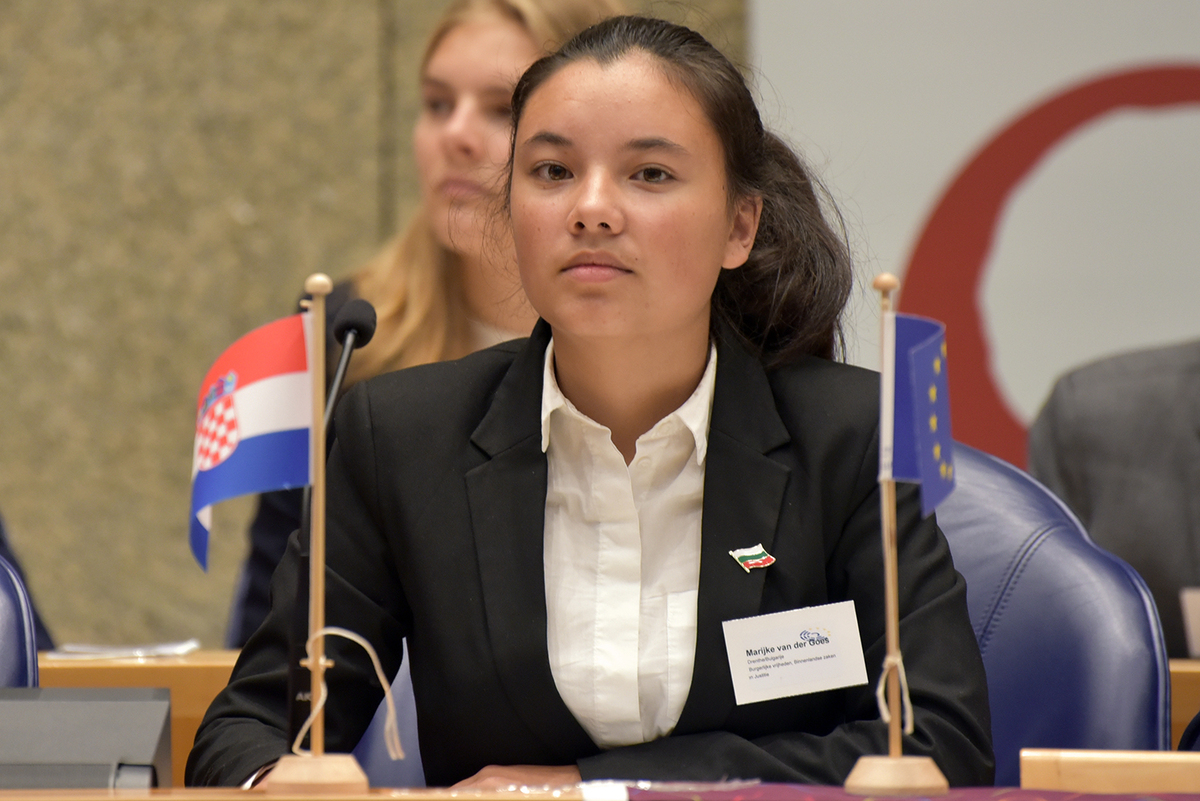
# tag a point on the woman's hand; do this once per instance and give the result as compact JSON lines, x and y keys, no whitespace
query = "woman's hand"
{"x":497,"y":777}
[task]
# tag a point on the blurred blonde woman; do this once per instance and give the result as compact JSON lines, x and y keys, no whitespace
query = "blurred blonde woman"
{"x":447,"y":284}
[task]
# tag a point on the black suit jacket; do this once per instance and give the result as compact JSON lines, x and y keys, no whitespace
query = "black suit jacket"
{"x":437,"y":487}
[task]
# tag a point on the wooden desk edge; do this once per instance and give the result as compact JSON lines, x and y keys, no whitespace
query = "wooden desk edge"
{"x":212,"y":657}
{"x":1088,"y":771}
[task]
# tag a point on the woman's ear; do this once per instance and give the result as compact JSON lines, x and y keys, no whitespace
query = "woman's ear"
{"x":744,"y":228}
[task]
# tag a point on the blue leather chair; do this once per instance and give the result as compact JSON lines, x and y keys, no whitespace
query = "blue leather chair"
{"x":1070,"y":636}
{"x":18,"y":638}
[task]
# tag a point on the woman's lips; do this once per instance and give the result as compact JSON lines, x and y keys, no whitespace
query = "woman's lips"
{"x":594,"y":272}
{"x":461,"y":189}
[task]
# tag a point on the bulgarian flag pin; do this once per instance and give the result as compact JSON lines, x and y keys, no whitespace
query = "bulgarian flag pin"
{"x":755,"y":556}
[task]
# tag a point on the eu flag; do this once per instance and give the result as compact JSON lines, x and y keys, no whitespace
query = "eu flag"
{"x":923,"y":446}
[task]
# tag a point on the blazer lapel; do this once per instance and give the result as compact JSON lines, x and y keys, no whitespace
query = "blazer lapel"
{"x":507,"y":498}
{"x":743,"y":493}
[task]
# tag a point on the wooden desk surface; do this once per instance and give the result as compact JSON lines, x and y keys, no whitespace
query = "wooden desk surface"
{"x":194,"y":680}
{"x":1082,"y":771}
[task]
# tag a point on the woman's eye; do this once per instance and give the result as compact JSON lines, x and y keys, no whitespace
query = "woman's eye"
{"x":552,"y":172}
{"x":653,"y":175}
{"x":438,"y":106}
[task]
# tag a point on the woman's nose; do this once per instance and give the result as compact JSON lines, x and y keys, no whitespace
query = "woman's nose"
{"x":464,"y":132}
{"x":597,"y":207}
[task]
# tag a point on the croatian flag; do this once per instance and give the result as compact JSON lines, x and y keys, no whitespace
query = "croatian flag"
{"x":915,"y":441}
{"x":253,"y":422}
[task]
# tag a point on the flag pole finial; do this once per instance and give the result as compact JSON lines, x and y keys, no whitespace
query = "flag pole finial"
{"x":886,"y":283}
{"x":318,"y":284}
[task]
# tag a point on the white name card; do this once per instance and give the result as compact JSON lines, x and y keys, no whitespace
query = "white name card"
{"x":795,"y":652}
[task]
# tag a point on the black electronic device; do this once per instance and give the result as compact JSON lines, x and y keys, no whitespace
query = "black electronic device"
{"x":65,"y":738}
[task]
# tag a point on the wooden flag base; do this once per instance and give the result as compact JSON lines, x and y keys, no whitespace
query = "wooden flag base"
{"x":328,"y":774}
{"x":902,"y":775}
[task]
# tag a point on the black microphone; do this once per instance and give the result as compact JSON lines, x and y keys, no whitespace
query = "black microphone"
{"x":357,"y":317}
{"x":353,"y":326}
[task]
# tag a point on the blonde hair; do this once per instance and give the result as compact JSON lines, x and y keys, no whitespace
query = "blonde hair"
{"x":414,"y":282}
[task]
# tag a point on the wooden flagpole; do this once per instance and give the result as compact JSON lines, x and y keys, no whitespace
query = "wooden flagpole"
{"x":894,"y":774}
{"x":318,"y":286}
{"x":317,"y":772}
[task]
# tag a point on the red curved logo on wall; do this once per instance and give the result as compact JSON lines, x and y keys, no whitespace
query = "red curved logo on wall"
{"x":944,"y":275}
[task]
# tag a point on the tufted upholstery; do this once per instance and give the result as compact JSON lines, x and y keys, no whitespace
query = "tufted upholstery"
{"x":1070,"y":636}
{"x":18,"y":645}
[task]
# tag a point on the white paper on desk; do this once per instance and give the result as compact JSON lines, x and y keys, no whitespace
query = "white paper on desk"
{"x":82,"y":651}
{"x":795,"y":652}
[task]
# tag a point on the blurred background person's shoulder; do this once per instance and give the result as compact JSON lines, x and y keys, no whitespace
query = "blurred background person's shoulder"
{"x":1119,"y":441}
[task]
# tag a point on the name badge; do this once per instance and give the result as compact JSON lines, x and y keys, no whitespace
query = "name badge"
{"x":795,"y":652}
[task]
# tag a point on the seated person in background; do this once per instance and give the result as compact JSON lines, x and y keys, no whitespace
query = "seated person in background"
{"x":440,"y":293}
{"x":44,"y":641}
{"x":1119,"y":441}
{"x":550,"y":521}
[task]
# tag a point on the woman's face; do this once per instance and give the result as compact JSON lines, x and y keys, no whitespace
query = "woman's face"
{"x":462,"y":134}
{"x":619,"y":204}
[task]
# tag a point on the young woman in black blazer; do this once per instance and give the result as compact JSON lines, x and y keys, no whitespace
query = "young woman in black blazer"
{"x":680,"y":261}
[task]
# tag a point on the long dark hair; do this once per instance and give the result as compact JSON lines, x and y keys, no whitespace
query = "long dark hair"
{"x":786,"y":301}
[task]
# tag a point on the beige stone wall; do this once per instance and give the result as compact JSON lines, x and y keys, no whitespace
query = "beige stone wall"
{"x":169,"y":173}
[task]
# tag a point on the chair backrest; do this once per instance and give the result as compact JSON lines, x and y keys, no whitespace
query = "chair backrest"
{"x":18,"y":639}
{"x":1069,"y":633}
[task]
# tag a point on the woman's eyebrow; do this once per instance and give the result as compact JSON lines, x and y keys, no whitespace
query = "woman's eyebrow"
{"x":548,"y":138}
{"x":497,"y":89}
{"x":639,"y":144}
{"x":656,"y":143}
{"x":433,"y":84}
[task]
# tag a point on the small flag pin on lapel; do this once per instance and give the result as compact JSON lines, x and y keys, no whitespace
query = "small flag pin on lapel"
{"x":755,"y":556}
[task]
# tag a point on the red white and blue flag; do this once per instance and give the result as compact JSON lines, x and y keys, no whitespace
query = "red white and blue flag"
{"x":253,"y":422}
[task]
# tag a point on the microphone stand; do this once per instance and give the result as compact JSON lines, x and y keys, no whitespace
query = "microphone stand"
{"x":339,"y":375}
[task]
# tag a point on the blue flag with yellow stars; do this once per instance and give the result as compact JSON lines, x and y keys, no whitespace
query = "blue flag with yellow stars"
{"x":923,"y":448}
